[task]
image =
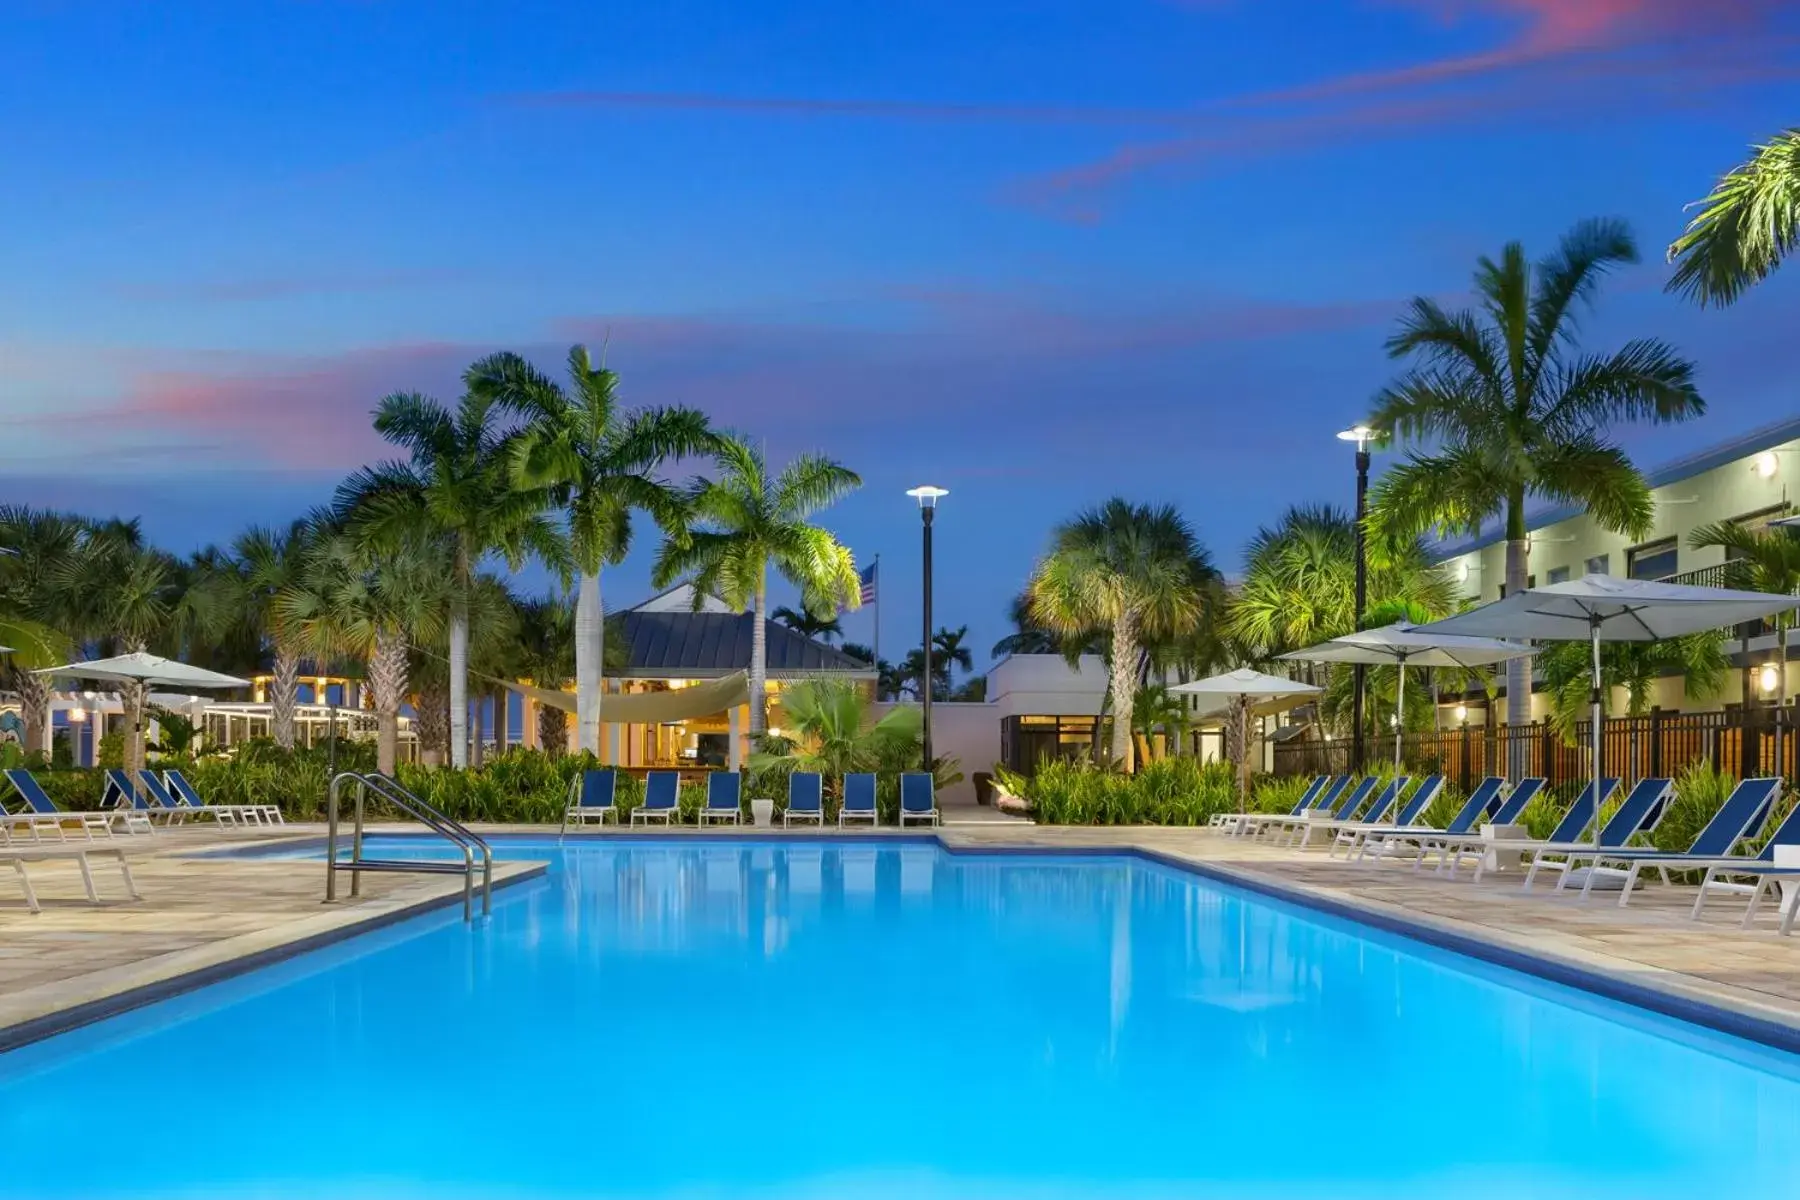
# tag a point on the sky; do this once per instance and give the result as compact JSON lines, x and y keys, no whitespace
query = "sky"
{"x":1039,"y":253}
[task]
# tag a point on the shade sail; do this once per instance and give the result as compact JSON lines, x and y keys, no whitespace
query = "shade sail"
{"x":147,"y":668}
{"x":653,"y":708}
{"x":1412,"y":645}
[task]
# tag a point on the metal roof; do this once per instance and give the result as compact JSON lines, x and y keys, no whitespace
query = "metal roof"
{"x":695,"y":645}
{"x":1754,"y":442}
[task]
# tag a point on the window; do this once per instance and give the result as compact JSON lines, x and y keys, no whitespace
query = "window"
{"x":1655,"y":560}
{"x":1558,"y":575}
{"x":1600,"y":564}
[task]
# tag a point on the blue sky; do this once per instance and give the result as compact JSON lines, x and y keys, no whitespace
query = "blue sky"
{"x":1039,"y":253}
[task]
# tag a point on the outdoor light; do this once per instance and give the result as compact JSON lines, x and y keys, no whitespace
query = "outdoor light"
{"x":1765,"y":465}
{"x":1362,"y":435}
{"x":87,"y":695}
{"x":78,"y":715}
{"x":1462,"y":571}
{"x":1394,"y":721}
{"x":927,"y":495}
{"x":1461,"y":712}
{"x":1768,"y":678}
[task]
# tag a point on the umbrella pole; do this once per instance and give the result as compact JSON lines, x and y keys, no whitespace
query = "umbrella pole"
{"x":1400,"y":715}
{"x":1594,"y":726}
{"x":1243,"y":754}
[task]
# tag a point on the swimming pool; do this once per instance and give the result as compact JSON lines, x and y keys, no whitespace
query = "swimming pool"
{"x":711,"y":1018}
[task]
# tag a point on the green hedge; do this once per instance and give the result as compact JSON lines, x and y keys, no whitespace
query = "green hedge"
{"x":1170,"y":791}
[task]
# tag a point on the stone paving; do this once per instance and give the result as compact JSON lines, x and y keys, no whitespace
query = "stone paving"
{"x":202,"y":913}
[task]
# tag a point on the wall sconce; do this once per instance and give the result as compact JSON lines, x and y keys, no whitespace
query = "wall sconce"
{"x":1461,"y":712}
{"x":1764,"y":465}
{"x":1768,"y":678}
{"x":77,"y":715}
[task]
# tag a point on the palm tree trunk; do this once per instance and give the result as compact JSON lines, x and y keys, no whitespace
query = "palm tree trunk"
{"x":1518,"y":670}
{"x":459,"y":684}
{"x":502,"y":719}
{"x":759,"y":671}
{"x":553,"y":733}
{"x":131,"y":692}
{"x":476,"y":754}
{"x":590,"y":646}
{"x":1124,"y":679}
{"x":387,"y":679}
{"x":34,"y":709}
{"x":282,"y":691}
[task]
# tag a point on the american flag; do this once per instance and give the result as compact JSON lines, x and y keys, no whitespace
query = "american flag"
{"x":867,"y":577}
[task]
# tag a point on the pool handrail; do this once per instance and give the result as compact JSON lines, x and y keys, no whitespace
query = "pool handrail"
{"x":445,"y":826}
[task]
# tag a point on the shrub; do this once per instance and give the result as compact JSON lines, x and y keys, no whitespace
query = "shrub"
{"x":1170,"y":791}
{"x":1700,"y":792}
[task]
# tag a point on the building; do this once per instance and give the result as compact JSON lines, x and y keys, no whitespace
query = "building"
{"x":1750,"y":480}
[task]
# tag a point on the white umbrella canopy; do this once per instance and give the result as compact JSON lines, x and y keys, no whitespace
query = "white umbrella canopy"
{"x":147,"y":668}
{"x":1407,"y":645}
{"x":1601,"y":608}
{"x":1270,"y":693}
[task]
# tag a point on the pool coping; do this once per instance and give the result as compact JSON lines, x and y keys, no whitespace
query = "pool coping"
{"x":128,"y":986}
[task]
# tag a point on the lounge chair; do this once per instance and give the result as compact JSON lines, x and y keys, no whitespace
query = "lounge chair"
{"x":591,"y":797}
{"x":187,"y":793}
{"x":1349,"y":803}
{"x":724,"y":798}
{"x":1742,"y":816}
{"x":120,"y":799}
{"x":1638,"y":813}
{"x":1486,"y":799}
{"x":1351,"y":836}
{"x":1375,"y":814}
{"x":859,"y":800}
{"x":918,"y":798}
{"x":18,"y":856}
{"x":41,"y":812}
{"x":805,"y":799}
{"x":1251,"y":824}
{"x":158,"y":796}
{"x":1488,"y":847}
{"x":662,"y":798}
{"x":1230,"y":820}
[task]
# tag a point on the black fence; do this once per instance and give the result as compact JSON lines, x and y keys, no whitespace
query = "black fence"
{"x":1758,"y":742}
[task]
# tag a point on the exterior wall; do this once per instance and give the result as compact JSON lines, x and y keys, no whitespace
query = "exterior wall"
{"x":967,"y":732}
{"x":1045,"y":685}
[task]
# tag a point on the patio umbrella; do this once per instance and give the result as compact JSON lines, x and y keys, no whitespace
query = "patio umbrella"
{"x":139,"y":667}
{"x":1602,"y":608}
{"x":1404,"y":644}
{"x":1251,"y":687}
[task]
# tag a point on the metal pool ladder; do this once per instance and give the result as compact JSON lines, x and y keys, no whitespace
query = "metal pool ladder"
{"x":450,"y":829}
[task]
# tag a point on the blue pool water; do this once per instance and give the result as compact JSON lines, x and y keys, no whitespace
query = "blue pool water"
{"x":725,"y":1018}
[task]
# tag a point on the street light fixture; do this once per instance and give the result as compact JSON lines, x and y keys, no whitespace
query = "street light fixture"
{"x":927,"y":495}
{"x":1362,"y":435}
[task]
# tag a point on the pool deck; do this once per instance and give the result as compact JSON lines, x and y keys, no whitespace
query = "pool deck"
{"x":204,"y":917}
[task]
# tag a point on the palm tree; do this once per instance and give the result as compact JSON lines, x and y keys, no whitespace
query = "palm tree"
{"x":600,"y":462}
{"x":948,"y":652}
{"x":833,"y":732}
{"x":1567,"y":671}
{"x":1133,"y":571}
{"x":34,"y":615}
{"x":806,"y":624}
{"x":1760,"y":560}
{"x":1746,"y":226}
{"x":746,"y":523}
{"x":459,"y":487}
{"x":1514,"y":411}
{"x":271,"y":562}
{"x":547,"y":660}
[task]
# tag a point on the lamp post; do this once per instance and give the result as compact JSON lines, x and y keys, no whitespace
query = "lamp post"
{"x":927,"y":496}
{"x":1362,"y":435}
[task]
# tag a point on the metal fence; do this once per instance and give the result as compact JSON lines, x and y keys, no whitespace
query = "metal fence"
{"x":1758,"y":742}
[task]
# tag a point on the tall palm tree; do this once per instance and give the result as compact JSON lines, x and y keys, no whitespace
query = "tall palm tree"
{"x":546,"y":659}
{"x":746,"y":522}
{"x":1745,"y":228}
{"x":270,"y":563}
{"x":600,"y":461}
{"x":458,"y":486}
{"x":369,"y":601}
{"x":1512,"y":409}
{"x":808,"y":624}
{"x":34,"y":613}
{"x":948,"y":651}
{"x":1132,"y":571}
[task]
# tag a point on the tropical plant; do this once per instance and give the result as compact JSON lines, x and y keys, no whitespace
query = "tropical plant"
{"x":546,"y":659}
{"x":949,"y":651}
{"x":808,"y":625}
{"x":1171,"y":791}
{"x":1760,"y":560}
{"x":744,"y":523}
{"x":1512,"y":409}
{"x":35,"y":614}
{"x":175,"y":732}
{"x":1567,"y":669}
{"x":831,"y":729}
{"x":1745,"y":228}
{"x":459,"y":488}
{"x":600,"y":461}
{"x":1133,"y":572}
{"x":1155,"y":709}
{"x":270,"y":563}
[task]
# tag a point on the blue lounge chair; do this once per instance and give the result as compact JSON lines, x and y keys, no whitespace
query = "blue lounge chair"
{"x":918,"y":798}
{"x":41,"y":812}
{"x":188,"y":794}
{"x":859,"y":800}
{"x":1351,"y":836}
{"x":1742,"y":816}
{"x":1230,"y":820}
{"x":18,"y":856}
{"x":724,"y":798}
{"x":1349,"y":804}
{"x":159,"y":798}
{"x":1568,"y":831}
{"x":1375,"y":814}
{"x":1489,"y":801}
{"x":806,"y":798}
{"x":662,"y":797}
{"x":1252,"y":824}
{"x":591,"y":797}
{"x":121,"y":800}
{"x":1638,"y":813}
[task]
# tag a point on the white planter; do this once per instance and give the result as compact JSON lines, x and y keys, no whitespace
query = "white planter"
{"x":763,"y":812}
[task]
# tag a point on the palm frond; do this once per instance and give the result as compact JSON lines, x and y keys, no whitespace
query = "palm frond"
{"x":1569,"y":277}
{"x":1599,"y":477}
{"x":1745,"y":228}
{"x":1645,"y":380}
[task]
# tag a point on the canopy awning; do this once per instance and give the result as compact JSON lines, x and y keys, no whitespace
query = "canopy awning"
{"x":652,"y":708}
